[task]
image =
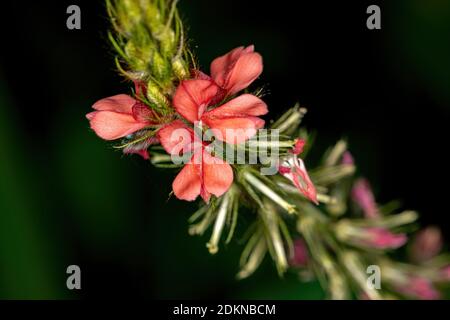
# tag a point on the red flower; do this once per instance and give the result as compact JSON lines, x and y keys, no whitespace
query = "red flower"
{"x":233,"y":122}
{"x":233,"y":71}
{"x":118,"y":116}
{"x":204,"y":174}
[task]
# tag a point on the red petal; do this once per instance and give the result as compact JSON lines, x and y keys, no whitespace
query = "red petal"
{"x":242,"y":106}
{"x":187,"y":184}
{"x":175,"y":137}
{"x":119,"y":103}
{"x":90,"y":115}
{"x":221,"y":66}
{"x":192,"y":97}
{"x":237,"y":69}
{"x":234,"y":130}
{"x":246,"y":70}
{"x":217,"y":174}
{"x":111,"y":125}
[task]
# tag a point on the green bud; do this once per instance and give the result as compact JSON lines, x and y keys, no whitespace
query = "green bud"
{"x":152,"y":17}
{"x":135,"y":57}
{"x":180,"y":68}
{"x":168,"y":43}
{"x":160,"y":67}
{"x":156,"y":96}
{"x":128,"y":14}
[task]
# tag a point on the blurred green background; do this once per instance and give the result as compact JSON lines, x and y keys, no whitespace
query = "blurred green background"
{"x":66,"y":197}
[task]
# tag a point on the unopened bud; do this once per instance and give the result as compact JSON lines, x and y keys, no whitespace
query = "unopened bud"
{"x":427,"y":244}
{"x":300,"y":255}
{"x":180,"y":68}
{"x":156,"y":96}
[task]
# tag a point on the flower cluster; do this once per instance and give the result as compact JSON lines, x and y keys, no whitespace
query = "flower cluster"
{"x":324,"y":223}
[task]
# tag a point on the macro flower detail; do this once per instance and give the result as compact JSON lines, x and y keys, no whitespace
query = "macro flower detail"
{"x":118,"y":116}
{"x":180,"y":118}
{"x":204,"y":174}
{"x":237,"y":69}
{"x":293,"y":168}
{"x":233,"y":122}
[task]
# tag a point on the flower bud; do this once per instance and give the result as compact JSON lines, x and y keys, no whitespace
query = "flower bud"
{"x":180,"y":68}
{"x":426,"y":245}
{"x":369,"y":237}
{"x":347,"y":159}
{"x":418,"y":287}
{"x":156,"y":96}
{"x":300,"y":255}
{"x":160,"y":67}
{"x":363,"y":196}
{"x":381,"y":238}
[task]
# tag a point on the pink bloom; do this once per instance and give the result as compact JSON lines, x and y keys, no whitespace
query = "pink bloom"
{"x":420,"y":288}
{"x":237,"y":69}
{"x":204,"y":174}
{"x":233,"y":122}
{"x":294,"y":169}
{"x":427,"y":244}
{"x":363,"y":196}
{"x":118,"y":116}
{"x":300,"y":257}
{"x":381,"y":238}
{"x":347,"y":158}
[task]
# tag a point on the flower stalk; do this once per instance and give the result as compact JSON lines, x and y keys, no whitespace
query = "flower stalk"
{"x":323,"y":222}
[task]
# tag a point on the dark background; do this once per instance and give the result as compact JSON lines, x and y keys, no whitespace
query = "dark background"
{"x":67,"y":198}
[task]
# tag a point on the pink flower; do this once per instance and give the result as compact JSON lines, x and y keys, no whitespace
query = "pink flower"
{"x":381,"y":238}
{"x":362,"y":194}
{"x":118,"y":116}
{"x":347,"y":158}
{"x":300,"y":257}
{"x":237,"y":69}
{"x":204,"y":174}
{"x":294,"y":169}
{"x":233,"y":122}
{"x":420,"y":288}
{"x":427,"y":244}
